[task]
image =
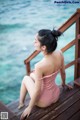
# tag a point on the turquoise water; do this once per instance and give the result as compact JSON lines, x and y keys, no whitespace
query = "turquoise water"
{"x":19,"y":22}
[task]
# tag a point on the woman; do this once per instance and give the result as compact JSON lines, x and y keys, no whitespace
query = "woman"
{"x":41,"y":84}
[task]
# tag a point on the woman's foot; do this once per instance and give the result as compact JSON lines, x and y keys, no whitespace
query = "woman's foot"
{"x":21,"y":105}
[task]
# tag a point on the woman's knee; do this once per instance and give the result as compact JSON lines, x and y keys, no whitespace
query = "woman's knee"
{"x":25,"y":79}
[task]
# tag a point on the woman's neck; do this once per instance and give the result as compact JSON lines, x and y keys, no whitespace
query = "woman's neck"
{"x":46,"y":55}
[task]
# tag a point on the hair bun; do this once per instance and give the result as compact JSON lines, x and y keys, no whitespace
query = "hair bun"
{"x":56,"y":33}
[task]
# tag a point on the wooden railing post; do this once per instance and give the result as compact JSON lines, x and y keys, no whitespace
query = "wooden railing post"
{"x":28,"y":68}
{"x":77,"y":47}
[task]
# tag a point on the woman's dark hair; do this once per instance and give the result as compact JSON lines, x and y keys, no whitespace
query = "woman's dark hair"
{"x":49,"y":39}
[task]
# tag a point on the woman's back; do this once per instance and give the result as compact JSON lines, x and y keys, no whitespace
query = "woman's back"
{"x":50,"y":92}
{"x":52,"y":63}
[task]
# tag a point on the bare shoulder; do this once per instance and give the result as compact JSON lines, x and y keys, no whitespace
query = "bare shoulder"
{"x":61,"y":54}
{"x":62,"y":57}
{"x":39,"y":69}
{"x":58,"y":54}
{"x":39,"y":65}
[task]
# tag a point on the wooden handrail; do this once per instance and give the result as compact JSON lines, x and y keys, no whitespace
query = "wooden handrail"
{"x":70,"y":21}
{"x":78,"y":60}
{"x":75,"y":18}
{"x":78,"y":10}
{"x":35,"y":53}
{"x":72,"y":63}
{"x":69,"y":45}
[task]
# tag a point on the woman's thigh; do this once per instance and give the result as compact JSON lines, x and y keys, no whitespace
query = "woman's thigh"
{"x":29,"y":84}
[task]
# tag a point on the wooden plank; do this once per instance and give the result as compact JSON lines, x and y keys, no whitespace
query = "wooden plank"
{"x":39,"y":113}
{"x":77,"y":82}
{"x":35,"y":53}
{"x":76,"y":116}
{"x":28,"y":68}
{"x":78,"y":60}
{"x":14,"y":105}
{"x":14,"y":118}
{"x":69,"y":112}
{"x":11,"y":115}
{"x":78,"y":10}
{"x":69,"y":22}
{"x":68,"y":46}
{"x":70,"y":64}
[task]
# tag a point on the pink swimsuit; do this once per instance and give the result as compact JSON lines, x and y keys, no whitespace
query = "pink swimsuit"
{"x":50,"y":92}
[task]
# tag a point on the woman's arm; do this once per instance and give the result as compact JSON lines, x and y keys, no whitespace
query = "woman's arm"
{"x":36,"y":92}
{"x":63,"y":74}
{"x":62,"y":70}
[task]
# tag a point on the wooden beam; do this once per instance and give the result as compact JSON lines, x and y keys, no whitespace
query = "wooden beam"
{"x":78,"y":10}
{"x":69,"y":22}
{"x":77,"y":82}
{"x":77,"y":49}
{"x":28,"y":68}
{"x":78,"y":60}
{"x":35,"y":53}
{"x":70,"y":64}
{"x":68,"y":46}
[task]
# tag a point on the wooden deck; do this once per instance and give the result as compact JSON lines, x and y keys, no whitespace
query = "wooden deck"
{"x":11,"y":115}
{"x":67,"y":108}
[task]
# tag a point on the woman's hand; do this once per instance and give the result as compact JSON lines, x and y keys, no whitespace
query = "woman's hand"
{"x":67,"y":86}
{"x":26,"y":112}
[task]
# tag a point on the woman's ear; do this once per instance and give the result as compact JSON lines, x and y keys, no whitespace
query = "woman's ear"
{"x":43,"y":48}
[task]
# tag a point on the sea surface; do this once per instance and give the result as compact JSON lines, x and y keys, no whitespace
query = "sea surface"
{"x":19,"y":22}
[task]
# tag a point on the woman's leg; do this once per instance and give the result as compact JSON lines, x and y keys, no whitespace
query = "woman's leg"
{"x":23,"y":92}
{"x":26,"y":86}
